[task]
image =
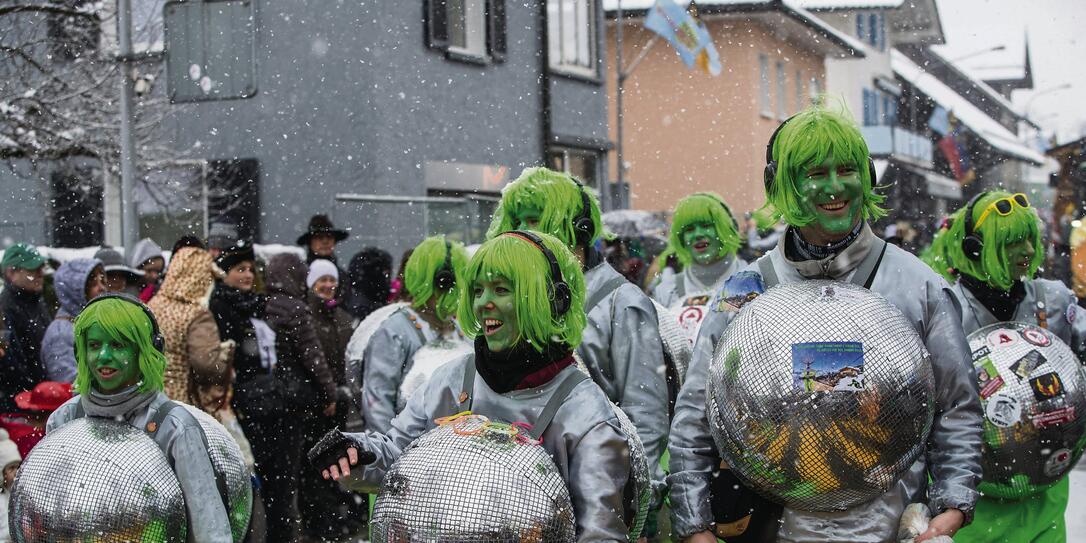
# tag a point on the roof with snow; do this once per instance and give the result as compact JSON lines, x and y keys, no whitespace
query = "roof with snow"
{"x":789,"y":9}
{"x":971,"y":116}
{"x":848,"y":4}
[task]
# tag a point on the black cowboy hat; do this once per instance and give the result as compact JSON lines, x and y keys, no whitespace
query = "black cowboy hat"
{"x":321,"y":224}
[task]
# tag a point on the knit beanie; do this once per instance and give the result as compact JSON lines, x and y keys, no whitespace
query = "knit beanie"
{"x":9,"y":452}
{"x":319,"y":268}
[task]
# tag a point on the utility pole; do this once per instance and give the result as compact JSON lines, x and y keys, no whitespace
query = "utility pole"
{"x":129,"y":228}
{"x":620,"y":80}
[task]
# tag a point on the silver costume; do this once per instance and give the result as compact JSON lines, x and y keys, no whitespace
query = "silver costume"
{"x":585,"y":440}
{"x":624,"y":354}
{"x":687,"y":297}
{"x":1060,"y":308}
{"x":952,"y":458}
{"x":178,"y":434}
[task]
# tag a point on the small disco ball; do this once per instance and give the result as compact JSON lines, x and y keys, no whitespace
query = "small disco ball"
{"x":228,"y":462}
{"x":820,"y":395}
{"x":100,"y":480}
{"x":1033,"y":390}
{"x":473,"y":480}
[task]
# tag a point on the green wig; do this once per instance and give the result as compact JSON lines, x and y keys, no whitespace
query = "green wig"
{"x":425,"y":261}
{"x":997,"y":232}
{"x":123,"y":321}
{"x":807,"y":140}
{"x":703,"y":207}
{"x":524,"y":265}
{"x":935,"y":254}
{"x":557,"y":196}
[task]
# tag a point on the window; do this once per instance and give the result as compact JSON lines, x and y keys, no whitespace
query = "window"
{"x":467,"y":27}
{"x":211,"y":47}
{"x":782,"y":92}
{"x":764,"y":102}
{"x":472,"y":30}
{"x":860,"y":30}
{"x":871,"y":29}
{"x":571,"y":36}
{"x":582,"y":164}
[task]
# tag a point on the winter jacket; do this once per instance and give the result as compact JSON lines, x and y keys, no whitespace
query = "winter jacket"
{"x":302,"y":366}
{"x":27,"y":318}
{"x":144,"y":250}
{"x":58,"y":346}
{"x":193,"y":348}
{"x":334,"y":327}
{"x":945,"y":476}
{"x":180,"y":436}
{"x":367,"y":285}
{"x":237,"y":314}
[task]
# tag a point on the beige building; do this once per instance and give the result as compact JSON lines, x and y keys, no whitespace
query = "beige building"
{"x":686,"y":131}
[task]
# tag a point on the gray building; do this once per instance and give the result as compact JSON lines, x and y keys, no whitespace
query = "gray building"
{"x":399,"y":119}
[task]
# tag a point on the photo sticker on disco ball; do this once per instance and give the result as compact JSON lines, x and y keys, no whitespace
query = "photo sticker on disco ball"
{"x":1033,"y":390}
{"x":820,"y":395}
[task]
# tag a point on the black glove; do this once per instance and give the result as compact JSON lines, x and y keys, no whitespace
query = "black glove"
{"x":333,"y":446}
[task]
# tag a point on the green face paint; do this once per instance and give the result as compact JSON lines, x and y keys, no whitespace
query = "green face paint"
{"x":527,"y":218}
{"x":113,"y":364}
{"x":704,"y":245}
{"x":494,"y":307}
{"x":833,"y":193}
{"x":1020,"y":258}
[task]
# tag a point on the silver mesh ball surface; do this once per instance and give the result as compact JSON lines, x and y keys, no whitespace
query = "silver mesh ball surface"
{"x":100,"y":480}
{"x":638,"y":491}
{"x":676,"y":345}
{"x":472,"y":480}
{"x":1033,"y":390}
{"x":820,"y":395}
{"x":226,"y":459}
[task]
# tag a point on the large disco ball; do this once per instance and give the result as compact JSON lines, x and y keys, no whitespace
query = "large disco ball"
{"x":228,"y":462}
{"x":820,"y":395}
{"x":1033,"y":390}
{"x":100,"y":480}
{"x":473,"y":480}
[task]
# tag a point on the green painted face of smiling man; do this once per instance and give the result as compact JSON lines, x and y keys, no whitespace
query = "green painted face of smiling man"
{"x":113,"y":363}
{"x":832,"y":192}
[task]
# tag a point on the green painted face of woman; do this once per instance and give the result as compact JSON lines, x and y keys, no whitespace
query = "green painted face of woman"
{"x":495,"y":309}
{"x":833,"y":193}
{"x":113,"y":364}
{"x":705,"y":247}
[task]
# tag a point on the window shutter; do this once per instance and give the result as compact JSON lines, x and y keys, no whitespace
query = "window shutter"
{"x":495,"y":31}
{"x":437,"y":24}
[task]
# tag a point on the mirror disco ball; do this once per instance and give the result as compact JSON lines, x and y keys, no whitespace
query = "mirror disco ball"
{"x":1033,"y":390}
{"x":638,"y":491}
{"x":820,"y":395}
{"x":473,"y":480}
{"x":99,"y":480}
{"x":227,"y":460}
{"x":676,"y":345}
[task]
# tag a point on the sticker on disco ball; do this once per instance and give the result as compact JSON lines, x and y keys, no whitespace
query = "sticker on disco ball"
{"x":738,"y":290}
{"x":1035,"y":337}
{"x":1063,"y":415}
{"x":988,"y":378}
{"x":831,"y":366}
{"x":1046,"y":386}
{"x":1002,"y":337}
{"x":1058,"y":463}
{"x":1025,"y":365}
{"x":1003,"y":410}
{"x":980,"y":353}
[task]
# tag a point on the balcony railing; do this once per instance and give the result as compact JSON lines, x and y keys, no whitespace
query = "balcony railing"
{"x":899,"y":143}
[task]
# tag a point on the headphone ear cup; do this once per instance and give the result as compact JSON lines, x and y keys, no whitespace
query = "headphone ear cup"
{"x":769,"y":175}
{"x":972,"y":246}
{"x":582,"y":230}
{"x":871,"y":171}
{"x":444,"y":279}
{"x":561,"y":298}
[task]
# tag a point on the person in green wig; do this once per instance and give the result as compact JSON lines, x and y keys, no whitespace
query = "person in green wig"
{"x":119,"y":375}
{"x":705,"y":238}
{"x":384,"y":346}
{"x":622,"y":347}
{"x":819,"y":178}
{"x":523,"y":302}
{"x":994,"y":244}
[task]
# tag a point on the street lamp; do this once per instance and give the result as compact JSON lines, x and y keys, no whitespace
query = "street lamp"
{"x":1029,"y":103}
{"x":986,"y":50}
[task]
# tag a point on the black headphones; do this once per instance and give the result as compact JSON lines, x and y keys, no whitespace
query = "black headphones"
{"x":583,"y":227}
{"x":727,"y":210}
{"x":769,"y":175}
{"x":972,"y":245}
{"x":157,"y":341}
{"x":560,"y":294}
{"x":445,"y":277}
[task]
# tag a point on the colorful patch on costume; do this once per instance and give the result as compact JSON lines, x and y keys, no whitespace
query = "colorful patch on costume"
{"x":834,"y":366}
{"x":1046,"y":387}
{"x":1027,"y":364}
{"x":1002,"y":337}
{"x":690,"y":319}
{"x":1058,"y":462}
{"x":1055,"y":417}
{"x":1003,"y":410}
{"x":738,"y":290}
{"x":988,"y":378}
{"x":1036,"y":337}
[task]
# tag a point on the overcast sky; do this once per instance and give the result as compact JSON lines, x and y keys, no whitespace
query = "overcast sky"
{"x":1057,"y":42}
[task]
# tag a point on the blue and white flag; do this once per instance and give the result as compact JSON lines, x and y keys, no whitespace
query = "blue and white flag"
{"x":686,"y":34}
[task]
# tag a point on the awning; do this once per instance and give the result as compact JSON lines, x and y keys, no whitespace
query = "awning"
{"x":938,"y":186}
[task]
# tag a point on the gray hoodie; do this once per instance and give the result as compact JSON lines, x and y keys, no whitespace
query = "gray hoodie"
{"x":58,"y":345}
{"x":144,"y":250}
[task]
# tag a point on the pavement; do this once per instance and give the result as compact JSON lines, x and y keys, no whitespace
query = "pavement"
{"x":1076,"y":505}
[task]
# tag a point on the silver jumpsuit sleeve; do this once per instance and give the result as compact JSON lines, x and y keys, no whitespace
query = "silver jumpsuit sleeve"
{"x":1072,"y":315}
{"x":383,"y":366}
{"x":638,"y":357}
{"x":207,"y":514}
{"x":599,"y":465}
{"x":954,"y":446}
{"x":693,"y":452}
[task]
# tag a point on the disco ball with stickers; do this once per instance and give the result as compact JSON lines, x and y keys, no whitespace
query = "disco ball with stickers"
{"x":1033,"y":390}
